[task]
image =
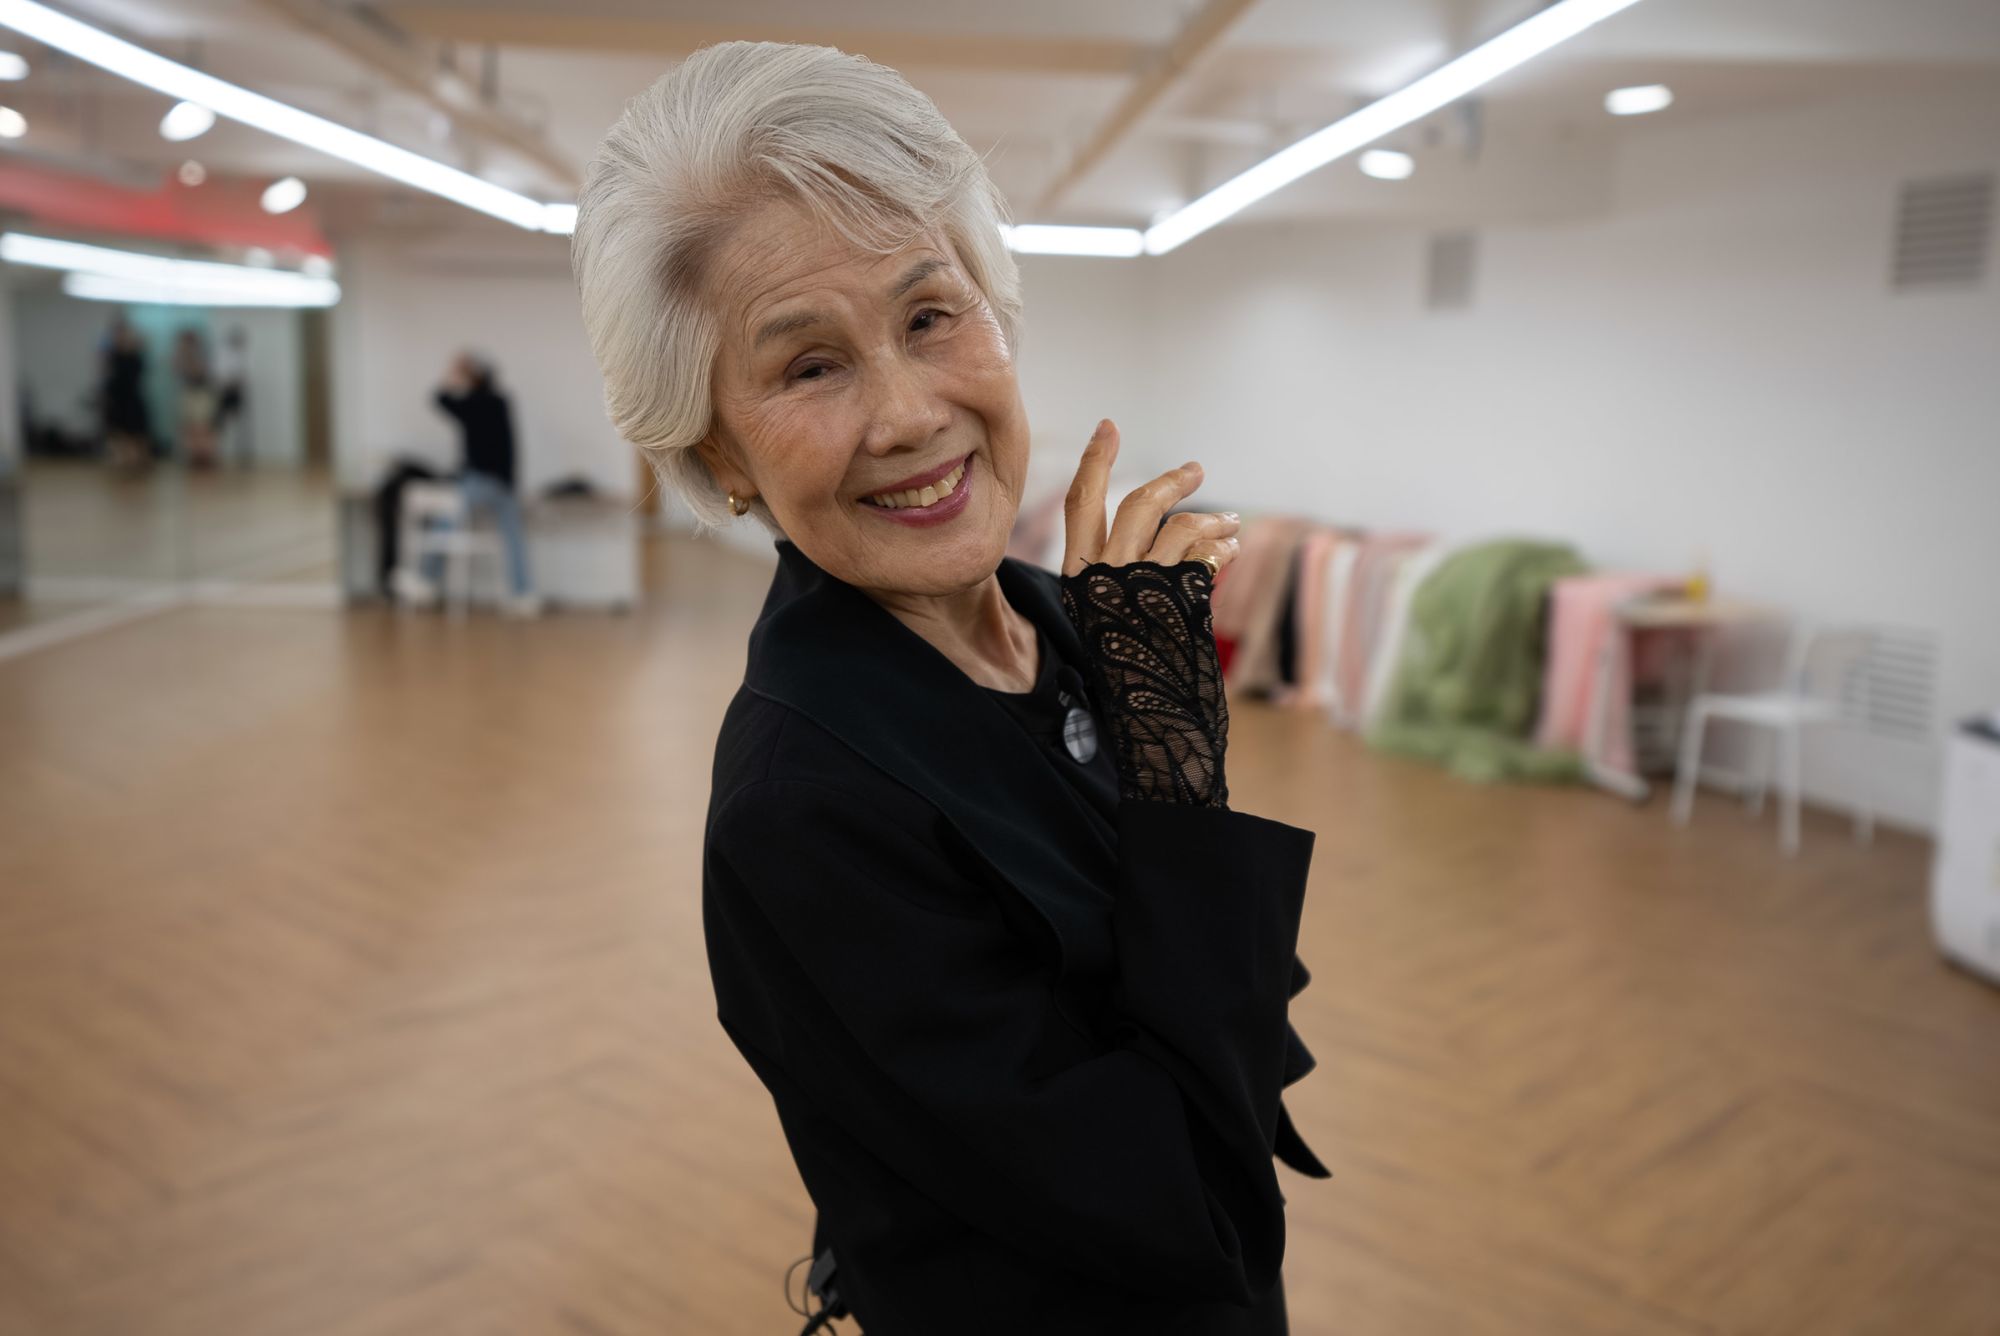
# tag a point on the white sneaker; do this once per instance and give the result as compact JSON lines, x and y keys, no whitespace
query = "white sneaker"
{"x":524,"y":606}
{"x":412,"y":588}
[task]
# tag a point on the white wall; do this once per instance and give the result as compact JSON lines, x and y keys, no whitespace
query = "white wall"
{"x":406,"y":309}
{"x":1715,"y":365}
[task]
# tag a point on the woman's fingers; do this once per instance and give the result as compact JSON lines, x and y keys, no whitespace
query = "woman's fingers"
{"x":1138,"y":522}
{"x":1224,"y":551}
{"x":1083,"y":507}
{"x":1186,"y":531}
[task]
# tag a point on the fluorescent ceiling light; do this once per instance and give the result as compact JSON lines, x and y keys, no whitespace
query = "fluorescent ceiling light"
{"x":97,"y":287}
{"x":1442,"y":86}
{"x":559,"y":218}
{"x":186,"y":120}
{"x":12,"y":123}
{"x":1386,"y":164}
{"x":141,"y":66}
{"x":284,"y":196}
{"x":158,"y":276}
{"x":1638,"y":101}
{"x":1048,"y":239}
{"x":12,"y":66}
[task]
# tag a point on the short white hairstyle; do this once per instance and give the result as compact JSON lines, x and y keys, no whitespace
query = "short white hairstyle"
{"x":733,"y":126}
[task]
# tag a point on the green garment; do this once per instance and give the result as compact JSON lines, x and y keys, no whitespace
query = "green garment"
{"x":1467,"y":686}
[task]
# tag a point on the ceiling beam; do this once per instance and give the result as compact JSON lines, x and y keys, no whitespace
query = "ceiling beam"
{"x":678,"y":37}
{"x":1194,"y":40}
{"x":443,"y":89}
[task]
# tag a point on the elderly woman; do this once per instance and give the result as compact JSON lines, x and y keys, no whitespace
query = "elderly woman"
{"x":977,"y":911}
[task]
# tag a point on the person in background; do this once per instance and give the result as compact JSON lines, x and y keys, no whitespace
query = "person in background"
{"x":232,"y":365}
{"x":127,"y":428}
{"x":197,"y":406}
{"x":486,"y":477}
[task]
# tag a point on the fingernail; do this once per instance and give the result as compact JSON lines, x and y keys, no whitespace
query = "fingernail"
{"x":1230,"y":515}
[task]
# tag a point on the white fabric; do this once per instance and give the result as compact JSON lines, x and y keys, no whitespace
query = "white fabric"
{"x":1339,"y":589}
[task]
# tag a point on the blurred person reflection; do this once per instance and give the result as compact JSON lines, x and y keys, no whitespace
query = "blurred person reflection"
{"x":197,"y":399}
{"x":127,"y":428}
{"x":232,"y":367}
{"x":471,"y":394}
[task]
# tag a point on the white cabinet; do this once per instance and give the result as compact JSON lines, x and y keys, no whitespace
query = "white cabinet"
{"x":1965,"y":878}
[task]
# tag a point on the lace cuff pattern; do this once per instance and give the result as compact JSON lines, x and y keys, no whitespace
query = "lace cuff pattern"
{"x":1149,"y":637}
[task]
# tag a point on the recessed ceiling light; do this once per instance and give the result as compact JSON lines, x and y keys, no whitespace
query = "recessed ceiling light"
{"x":1386,"y":164}
{"x":257,"y":258}
{"x":193,"y":173}
{"x":1639,"y":100}
{"x":12,"y":123}
{"x":186,"y":120}
{"x":284,"y":196}
{"x":12,"y":66}
{"x":316,"y":266}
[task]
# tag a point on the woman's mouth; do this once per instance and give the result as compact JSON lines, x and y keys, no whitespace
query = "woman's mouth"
{"x":931,"y":504}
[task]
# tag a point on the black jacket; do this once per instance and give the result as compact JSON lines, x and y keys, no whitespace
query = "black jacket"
{"x":486,"y":424}
{"x":894,"y":885}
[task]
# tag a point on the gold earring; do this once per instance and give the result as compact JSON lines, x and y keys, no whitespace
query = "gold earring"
{"x":737,"y":505}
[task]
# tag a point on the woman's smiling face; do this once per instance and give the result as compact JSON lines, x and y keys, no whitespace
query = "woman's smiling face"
{"x":844,"y":373}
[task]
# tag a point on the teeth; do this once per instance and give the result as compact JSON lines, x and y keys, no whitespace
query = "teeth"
{"x":922,"y":496}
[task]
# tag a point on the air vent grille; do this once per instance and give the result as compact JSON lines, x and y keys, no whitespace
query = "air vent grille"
{"x":1944,"y":232}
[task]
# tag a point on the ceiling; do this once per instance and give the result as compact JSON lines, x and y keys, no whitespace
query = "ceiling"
{"x":1031,"y":83}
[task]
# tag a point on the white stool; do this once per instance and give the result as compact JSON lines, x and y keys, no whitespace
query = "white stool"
{"x":458,"y":544}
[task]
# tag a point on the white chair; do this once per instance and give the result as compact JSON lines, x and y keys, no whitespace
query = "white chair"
{"x":1876,"y":681}
{"x":455,"y":538}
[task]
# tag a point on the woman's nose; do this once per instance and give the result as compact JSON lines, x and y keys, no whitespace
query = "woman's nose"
{"x":905,"y":406}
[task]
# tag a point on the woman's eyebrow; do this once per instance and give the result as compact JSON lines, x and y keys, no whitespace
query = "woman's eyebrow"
{"x":786,"y":324}
{"x":919,"y":271}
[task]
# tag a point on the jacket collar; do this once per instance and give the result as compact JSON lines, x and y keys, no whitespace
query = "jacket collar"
{"x":824,"y":648}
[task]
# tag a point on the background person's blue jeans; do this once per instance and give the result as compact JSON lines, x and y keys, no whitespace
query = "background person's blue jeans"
{"x":484,"y":492}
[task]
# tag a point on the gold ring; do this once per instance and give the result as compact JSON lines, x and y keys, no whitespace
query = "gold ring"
{"x":1214,"y":566}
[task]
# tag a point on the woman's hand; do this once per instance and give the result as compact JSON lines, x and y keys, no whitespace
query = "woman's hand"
{"x":1137,"y":534}
{"x":1140,"y":602}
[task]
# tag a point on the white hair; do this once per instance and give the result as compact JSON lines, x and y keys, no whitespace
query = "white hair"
{"x":732,"y":126}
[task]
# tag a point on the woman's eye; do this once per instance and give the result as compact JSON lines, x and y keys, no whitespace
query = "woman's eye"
{"x":810,"y":371}
{"x":925,"y":318}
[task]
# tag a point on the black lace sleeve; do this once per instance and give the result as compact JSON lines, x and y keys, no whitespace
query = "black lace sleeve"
{"x":1149,"y":637}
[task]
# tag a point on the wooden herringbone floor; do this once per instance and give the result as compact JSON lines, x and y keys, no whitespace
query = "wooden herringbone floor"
{"x":351,"y":984}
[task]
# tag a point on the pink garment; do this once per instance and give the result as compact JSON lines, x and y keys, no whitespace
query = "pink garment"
{"x":1374,"y":576}
{"x":1309,"y":616}
{"x":1248,"y":606}
{"x":1581,"y":628}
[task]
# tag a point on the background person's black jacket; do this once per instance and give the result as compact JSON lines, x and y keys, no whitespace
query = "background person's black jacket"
{"x":487,"y":426}
{"x":893,"y":888}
